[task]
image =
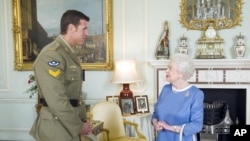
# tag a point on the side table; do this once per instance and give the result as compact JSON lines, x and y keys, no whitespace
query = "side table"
{"x":144,"y":124}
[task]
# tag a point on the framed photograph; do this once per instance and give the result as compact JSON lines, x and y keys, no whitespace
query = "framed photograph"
{"x":114,"y":98}
{"x":34,"y":26}
{"x":127,"y":106}
{"x":141,"y":104}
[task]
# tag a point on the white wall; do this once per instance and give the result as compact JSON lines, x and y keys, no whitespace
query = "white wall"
{"x":137,"y":25}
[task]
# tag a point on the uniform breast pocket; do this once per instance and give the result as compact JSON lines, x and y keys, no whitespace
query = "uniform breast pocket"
{"x":73,"y":73}
{"x":73,"y":79}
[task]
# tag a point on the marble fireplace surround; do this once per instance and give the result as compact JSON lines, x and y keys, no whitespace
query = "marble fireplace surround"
{"x":213,"y":73}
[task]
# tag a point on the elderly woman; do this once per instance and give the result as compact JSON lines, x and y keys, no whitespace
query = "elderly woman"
{"x":178,"y":111}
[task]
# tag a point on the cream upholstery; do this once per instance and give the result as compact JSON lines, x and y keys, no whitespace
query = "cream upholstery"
{"x":110,"y":114}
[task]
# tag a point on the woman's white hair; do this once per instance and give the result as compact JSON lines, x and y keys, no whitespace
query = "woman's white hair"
{"x":184,"y":63}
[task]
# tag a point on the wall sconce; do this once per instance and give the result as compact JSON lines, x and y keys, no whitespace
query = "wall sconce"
{"x":125,"y":73}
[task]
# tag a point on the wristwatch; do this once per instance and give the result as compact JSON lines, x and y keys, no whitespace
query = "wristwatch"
{"x":175,"y":128}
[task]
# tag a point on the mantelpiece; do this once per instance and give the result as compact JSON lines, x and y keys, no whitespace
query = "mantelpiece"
{"x":213,"y":73}
{"x":208,"y":63}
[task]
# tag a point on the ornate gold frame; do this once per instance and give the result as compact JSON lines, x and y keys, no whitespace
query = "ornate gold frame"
{"x":228,"y":17}
{"x":23,"y":65}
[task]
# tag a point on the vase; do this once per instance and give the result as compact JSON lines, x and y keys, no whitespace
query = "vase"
{"x":240,"y":47}
{"x":240,"y":51}
{"x":183,"y":48}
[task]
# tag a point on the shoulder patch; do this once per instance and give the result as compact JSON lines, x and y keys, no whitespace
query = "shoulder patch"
{"x":53,"y":63}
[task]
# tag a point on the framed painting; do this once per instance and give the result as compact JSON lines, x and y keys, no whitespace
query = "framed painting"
{"x":141,"y":104}
{"x":34,"y":26}
{"x":127,"y":106}
{"x":114,"y":98}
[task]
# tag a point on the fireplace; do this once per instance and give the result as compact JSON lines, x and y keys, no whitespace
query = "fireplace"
{"x":221,"y":80}
{"x":222,"y":108}
{"x":234,"y":98}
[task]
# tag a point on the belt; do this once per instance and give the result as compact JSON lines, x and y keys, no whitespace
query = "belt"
{"x":73,"y":102}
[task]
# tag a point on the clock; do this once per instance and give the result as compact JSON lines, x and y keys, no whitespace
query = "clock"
{"x":210,"y":45}
{"x":210,"y":33}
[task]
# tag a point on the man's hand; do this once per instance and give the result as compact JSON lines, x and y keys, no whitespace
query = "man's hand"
{"x":86,"y":128}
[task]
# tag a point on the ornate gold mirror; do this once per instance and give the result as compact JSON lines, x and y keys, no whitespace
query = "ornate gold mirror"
{"x":197,"y":14}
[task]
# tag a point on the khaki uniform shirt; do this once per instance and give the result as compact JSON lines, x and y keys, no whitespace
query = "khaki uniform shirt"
{"x":58,"y":75}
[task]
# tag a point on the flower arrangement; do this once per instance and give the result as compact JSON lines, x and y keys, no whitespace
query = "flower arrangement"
{"x":33,"y":87}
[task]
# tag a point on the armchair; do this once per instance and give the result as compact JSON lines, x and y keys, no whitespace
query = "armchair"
{"x":110,"y":114}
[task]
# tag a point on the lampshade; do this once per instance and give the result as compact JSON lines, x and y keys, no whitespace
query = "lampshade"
{"x":125,"y":72}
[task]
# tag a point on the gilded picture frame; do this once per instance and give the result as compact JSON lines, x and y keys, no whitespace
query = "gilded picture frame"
{"x":31,"y":32}
{"x":197,"y":14}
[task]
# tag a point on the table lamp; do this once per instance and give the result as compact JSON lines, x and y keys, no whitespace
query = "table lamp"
{"x":125,"y":73}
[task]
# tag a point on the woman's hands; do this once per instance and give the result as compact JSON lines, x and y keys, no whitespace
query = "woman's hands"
{"x":157,"y":126}
{"x":162,"y":125}
{"x":165,"y":125}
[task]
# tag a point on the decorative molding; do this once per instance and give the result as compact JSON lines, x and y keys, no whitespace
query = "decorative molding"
{"x":210,"y":72}
{"x":4,"y":73}
{"x":8,"y":100}
{"x":15,"y":129}
{"x":15,"y":134}
{"x":208,"y":63}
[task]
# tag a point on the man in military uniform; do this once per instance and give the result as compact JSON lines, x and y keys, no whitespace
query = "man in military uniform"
{"x":58,"y":75}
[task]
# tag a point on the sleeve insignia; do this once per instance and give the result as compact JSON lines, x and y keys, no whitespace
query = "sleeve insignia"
{"x":54,"y":73}
{"x":53,"y":63}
